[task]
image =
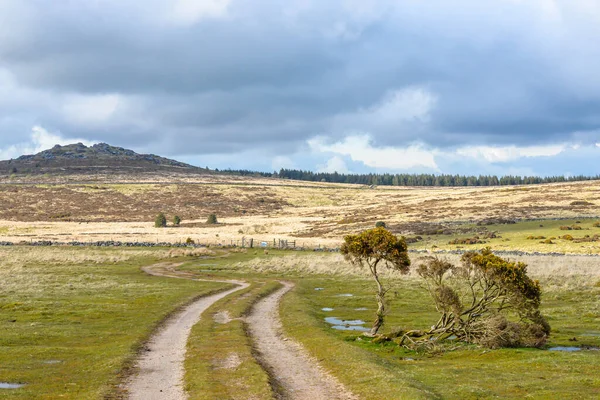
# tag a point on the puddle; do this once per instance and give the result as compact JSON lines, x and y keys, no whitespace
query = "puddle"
{"x":207,"y":265}
{"x":565,"y":348}
{"x":594,"y":334}
{"x":453,"y":337}
{"x":350,"y":328}
{"x":319,"y":288}
{"x":347,"y":325}
{"x":337,"y":321}
{"x":345,"y":295}
{"x":6,"y":385}
{"x":361,"y":309}
{"x":326,"y":309}
{"x":572,"y":348}
{"x":52,"y":362}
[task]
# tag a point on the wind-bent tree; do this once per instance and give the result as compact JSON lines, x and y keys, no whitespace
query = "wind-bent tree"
{"x":486,"y":300}
{"x":377,"y":248}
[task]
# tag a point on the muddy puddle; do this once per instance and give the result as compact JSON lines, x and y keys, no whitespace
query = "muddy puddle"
{"x":319,"y":288}
{"x":347,"y":325}
{"x":7,"y":385}
{"x":327,"y":309}
{"x":361,"y":309}
{"x":345,"y":295}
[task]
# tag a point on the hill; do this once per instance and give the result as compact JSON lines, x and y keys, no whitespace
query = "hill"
{"x":101,"y":157}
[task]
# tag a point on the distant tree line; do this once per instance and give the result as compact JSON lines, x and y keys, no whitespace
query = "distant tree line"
{"x":412,"y":179}
{"x":246,"y":172}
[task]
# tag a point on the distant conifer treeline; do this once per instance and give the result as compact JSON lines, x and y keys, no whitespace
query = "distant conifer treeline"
{"x":412,"y":179}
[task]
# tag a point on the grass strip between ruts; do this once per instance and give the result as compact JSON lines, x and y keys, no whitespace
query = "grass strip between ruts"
{"x":220,"y":363}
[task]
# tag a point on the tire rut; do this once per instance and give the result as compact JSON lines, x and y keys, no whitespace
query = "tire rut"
{"x":160,"y":367}
{"x":297,"y":376}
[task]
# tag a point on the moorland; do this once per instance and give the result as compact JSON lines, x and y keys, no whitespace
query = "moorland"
{"x":75,"y":320}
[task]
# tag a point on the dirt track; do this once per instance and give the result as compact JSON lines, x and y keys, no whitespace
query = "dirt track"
{"x":297,"y":375}
{"x":161,"y":370}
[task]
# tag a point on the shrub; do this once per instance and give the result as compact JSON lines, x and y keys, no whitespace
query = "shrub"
{"x":176,"y":220}
{"x":486,"y":300}
{"x":567,"y":237}
{"x":212,"y":219}
{"x":596,"y":225}
{"x":473,"y":240}
{"x":571,"y":228}
{"x":380,"y":224}
{"x":530,"y":237}
{"x":160,"y":221}
{"x":547,"y":241}
{"x":189,"y":241}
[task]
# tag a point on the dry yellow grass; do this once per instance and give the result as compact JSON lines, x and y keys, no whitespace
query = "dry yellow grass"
{"x":42,"y":270}
{"x":310,"y":213}
{"x":539,"y":267}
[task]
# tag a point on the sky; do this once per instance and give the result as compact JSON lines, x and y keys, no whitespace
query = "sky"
{"x":420,"y":86}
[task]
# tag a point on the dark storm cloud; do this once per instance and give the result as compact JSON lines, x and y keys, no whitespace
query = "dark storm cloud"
{"x":271,"y":75}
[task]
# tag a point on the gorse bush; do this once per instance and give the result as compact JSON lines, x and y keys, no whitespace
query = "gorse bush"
{"x":212,"y":219}
{"x":485,"y":300}
{"x":571,"y":228}
{"x":160,"y":221}
{"x":376,"y":249}
{"x":380,"y":224}
{"x":473,"y":240}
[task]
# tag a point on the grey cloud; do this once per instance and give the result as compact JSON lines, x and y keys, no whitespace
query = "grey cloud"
{"x":272,"y":74}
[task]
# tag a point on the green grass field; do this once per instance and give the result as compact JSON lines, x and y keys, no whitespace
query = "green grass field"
{"x":571,"y":304}
{"x":515,"y":237}
{"x":389,"y":371}
{"x":71,"y":321}
{"x":69,"y":329}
